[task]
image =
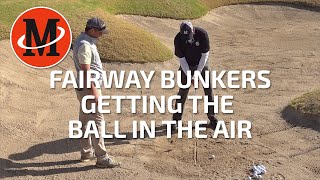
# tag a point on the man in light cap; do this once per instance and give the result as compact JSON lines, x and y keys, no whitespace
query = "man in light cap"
{"x":86,"y":58}
{"x":192,"y":49}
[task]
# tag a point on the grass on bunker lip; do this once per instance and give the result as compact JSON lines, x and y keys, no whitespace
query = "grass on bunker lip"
{"x":125,"y":43}
{"x":308,"y":103}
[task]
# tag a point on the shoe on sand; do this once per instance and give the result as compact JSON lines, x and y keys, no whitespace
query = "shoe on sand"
{"x":107,"y":163}
{"x":87,"y":158}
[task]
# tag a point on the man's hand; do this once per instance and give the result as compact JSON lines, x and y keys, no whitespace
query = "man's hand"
{"x":85,"y":68}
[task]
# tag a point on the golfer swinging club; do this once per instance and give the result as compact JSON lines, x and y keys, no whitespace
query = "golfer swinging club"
{"x":192,"y":49}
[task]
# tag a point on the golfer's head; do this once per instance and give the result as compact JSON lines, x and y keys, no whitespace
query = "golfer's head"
{"x":186,"y":30}
{"x":95,"y":27}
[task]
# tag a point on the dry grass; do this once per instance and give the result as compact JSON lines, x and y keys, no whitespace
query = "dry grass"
{"x":308,"y":103}
{"x":125,"y":42}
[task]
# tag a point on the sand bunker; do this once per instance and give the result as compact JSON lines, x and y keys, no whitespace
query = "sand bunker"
{"x":284,"y":40}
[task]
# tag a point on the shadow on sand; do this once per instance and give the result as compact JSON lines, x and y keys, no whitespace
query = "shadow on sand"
{"x":298,"y":119}
{"x":15,"y":169}
{"x":12,"y":168}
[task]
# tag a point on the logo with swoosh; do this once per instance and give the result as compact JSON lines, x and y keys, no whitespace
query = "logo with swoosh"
{"x":41,"y":37}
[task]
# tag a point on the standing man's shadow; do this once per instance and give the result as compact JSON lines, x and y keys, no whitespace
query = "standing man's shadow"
{"x":11,"y":168}
{"x":60,"y":146}
{"x":14,"y":169}
{"x":67,"y":145}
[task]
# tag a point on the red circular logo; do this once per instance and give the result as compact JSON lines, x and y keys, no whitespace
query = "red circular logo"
{"x":41,"y":37}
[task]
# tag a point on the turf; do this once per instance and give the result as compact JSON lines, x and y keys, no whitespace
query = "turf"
{"x":211,"y":4}
{"x":176,"y":9}
{"x":125,"y":42}
{"x":308,"y":103}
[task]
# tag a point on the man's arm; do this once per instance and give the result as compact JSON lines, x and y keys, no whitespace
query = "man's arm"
{"x":84,"y":56}
{"x":178,"y":52}
{"x":203,"y":61}
{"x":184,"y":65}
{"x":85,"y":68}
{"x":205,"y":48}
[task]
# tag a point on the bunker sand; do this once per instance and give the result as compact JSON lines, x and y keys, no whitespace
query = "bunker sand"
{"x":284,"y":40}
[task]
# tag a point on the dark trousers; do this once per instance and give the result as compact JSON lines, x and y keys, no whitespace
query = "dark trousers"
{"x":183,"y":93}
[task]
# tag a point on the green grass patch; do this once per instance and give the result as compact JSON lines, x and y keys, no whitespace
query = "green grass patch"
{"x":125,"y":42}
{"x":308,"y":103}
{"x":176,"y":9}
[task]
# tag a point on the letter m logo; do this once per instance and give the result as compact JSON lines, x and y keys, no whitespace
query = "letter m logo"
{"x":32,"y":30}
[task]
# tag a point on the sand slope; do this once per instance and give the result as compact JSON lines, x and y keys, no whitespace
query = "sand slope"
{"x":34,"y":118}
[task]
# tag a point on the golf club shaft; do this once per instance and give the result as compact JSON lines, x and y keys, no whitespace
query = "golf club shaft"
{"x":195,"y":92}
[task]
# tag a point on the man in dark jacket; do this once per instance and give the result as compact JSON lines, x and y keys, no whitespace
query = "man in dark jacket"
{"x":192,"y":49}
